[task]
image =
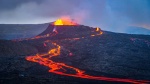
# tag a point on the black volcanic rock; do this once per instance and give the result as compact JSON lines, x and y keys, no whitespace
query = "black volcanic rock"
{"x":68,"y":31}
{"x":12,"y":57}
{"x":63,"y":29}
{"x":110,"y":54}
{"x":12,"y":48}
{"x":48,"y":30}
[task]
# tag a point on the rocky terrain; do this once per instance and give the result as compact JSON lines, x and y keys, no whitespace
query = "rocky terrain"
{"x":110,"y":54}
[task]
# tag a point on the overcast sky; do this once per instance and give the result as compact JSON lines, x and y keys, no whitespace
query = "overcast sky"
{"x":108,"y":14}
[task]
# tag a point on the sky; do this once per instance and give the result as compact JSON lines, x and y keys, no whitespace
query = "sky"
{"x":112,"y":15}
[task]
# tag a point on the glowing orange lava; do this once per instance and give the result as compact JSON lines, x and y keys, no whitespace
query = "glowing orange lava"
{"x":62,"y":68}
{"x":97,"y":29}
{"x":64,"y":21}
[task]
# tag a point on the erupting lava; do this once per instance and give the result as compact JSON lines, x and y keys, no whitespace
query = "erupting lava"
{"x":64,"y":21}
{"x":63,"y":69}
{"x":97,"y":29}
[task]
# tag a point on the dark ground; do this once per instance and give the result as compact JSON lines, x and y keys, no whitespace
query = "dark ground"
{"x":110,"y":54}
{"x":15,"y":31}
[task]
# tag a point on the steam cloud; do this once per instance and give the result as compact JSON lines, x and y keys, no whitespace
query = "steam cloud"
{"x":112,"y":15}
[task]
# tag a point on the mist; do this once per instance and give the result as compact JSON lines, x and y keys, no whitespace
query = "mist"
{"x":111,"y":15}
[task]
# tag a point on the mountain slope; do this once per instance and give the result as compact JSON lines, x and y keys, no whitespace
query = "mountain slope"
{"x":109,"y":54}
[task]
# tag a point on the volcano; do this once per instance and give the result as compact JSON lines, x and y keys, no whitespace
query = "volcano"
{"x":68,"y":29}
{"x":60,"y":25}
{"x":73,"y":53}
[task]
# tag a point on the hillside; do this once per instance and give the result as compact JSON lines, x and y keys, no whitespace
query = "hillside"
{"x":107,"y":54}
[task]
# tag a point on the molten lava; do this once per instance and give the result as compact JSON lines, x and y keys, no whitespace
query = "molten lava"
{"x":64,"y":21}
{"x":58,"y":22}
{"x":97,"y":29}
{"x":63,"y":69}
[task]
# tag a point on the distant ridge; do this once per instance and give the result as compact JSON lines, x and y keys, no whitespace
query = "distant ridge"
{"x":15,"y":31}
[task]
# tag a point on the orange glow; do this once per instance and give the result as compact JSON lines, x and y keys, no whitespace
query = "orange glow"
{"x":58,"y":22}
{"x":101,"y":33}
{"x":92,"y":35}
{"x":64,"y":21}
{"x":62,"y":68}
{"x":55,"y":51}
{"x":76,"y":38}
{"x":97,"y":29}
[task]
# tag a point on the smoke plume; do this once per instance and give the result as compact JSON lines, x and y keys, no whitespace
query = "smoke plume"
{"x":112,"y":15}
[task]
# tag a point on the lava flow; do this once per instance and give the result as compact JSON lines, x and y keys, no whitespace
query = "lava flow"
{"x":63,"y":69}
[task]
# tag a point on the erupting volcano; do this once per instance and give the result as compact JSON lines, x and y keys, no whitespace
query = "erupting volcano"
{"x":62,"y":68}
{"x":65,"y":21}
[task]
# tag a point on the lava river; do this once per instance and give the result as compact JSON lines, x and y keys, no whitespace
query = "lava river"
{"x":62,"y":68}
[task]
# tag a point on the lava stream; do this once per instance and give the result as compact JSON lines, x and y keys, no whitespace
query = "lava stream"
{"x":61,"y":68}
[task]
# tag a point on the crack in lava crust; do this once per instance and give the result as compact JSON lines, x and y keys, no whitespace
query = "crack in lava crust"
{"x":61,"y":68}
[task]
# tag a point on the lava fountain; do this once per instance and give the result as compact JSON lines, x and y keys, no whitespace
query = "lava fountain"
{"x":62,"y":68}
{"x":65,"y":21}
